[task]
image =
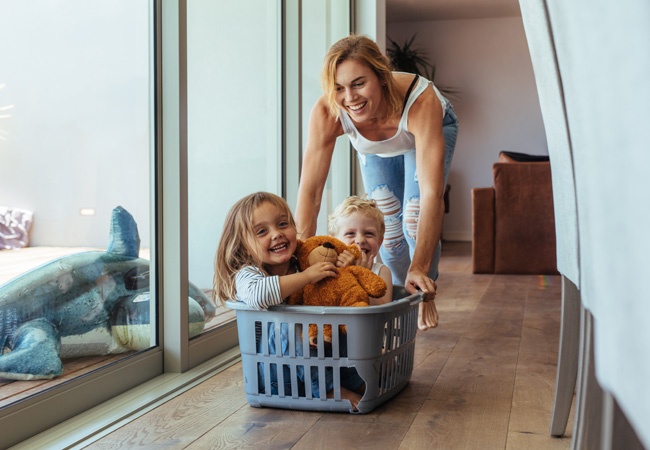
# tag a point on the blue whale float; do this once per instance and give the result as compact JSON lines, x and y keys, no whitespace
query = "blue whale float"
{"x":89,"y":303}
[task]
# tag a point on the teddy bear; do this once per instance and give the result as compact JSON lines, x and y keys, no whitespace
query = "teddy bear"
{"x":353,"y":286}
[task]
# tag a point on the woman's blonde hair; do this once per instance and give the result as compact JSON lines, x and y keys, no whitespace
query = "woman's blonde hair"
{"x":238,"y":246}
{"x":352,"y":204}
{"x":365,"y":51}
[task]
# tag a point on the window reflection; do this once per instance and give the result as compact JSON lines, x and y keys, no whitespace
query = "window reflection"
{"x":75,"y":151}
{"x":234,"y":120}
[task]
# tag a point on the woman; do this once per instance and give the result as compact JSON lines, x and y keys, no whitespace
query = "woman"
{"x":404,"y":132}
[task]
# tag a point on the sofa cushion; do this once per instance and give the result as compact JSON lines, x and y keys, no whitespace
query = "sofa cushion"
{"x":483,"y":230}
{"x":521,"y":157}
{"x":524,"y":219}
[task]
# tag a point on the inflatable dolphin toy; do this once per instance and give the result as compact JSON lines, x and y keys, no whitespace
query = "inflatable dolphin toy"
{"x":90,"y":303}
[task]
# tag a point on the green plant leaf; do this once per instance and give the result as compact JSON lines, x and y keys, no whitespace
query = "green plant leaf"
{"x":405,"y":57}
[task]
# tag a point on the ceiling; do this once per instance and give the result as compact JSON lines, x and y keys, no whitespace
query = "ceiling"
{"x":415,"y":10}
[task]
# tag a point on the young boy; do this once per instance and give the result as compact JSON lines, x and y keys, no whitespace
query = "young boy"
{"x":359,"y":221}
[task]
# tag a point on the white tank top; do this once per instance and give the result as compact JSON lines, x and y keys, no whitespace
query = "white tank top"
{"x":403,"y":141}
{"x":376,"y":267}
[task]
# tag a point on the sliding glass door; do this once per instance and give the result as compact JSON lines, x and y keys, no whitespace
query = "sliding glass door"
{"x":310,"y":29}
{"x":77,"y":220}
{"x":234,"y":121}
{"x":127,"y":130}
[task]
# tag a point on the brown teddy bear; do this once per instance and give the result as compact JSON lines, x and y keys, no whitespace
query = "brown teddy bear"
{"x":352,"y":287}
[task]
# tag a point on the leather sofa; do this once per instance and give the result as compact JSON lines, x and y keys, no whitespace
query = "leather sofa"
{"x":513,"y":222}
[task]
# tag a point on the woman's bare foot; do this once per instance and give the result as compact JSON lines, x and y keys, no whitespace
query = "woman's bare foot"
{"x":427,"y":315}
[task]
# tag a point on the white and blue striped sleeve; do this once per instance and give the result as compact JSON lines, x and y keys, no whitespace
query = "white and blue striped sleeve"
{"x":257,"y":289}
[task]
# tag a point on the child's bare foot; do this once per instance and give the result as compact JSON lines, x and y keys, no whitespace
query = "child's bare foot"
{"x":427,"y":315}
{"x":353,"y":397}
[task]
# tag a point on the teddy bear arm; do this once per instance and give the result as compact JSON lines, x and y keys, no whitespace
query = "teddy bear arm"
{"x":372,"y":283}
{"x":296,"y":298}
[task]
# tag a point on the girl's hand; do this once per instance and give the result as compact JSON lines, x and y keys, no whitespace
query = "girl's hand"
{"x":320,"y":271}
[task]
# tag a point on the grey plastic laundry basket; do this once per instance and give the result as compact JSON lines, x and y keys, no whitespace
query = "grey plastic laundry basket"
{"x":380,"y":346}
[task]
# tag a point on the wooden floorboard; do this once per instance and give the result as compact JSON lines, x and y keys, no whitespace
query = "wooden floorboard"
{"x":483,"y":379}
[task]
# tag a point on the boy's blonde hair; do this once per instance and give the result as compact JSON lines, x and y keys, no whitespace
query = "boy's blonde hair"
{"x":238,"y":246}
{"x":363,"y":205}
{"x":365,"y":51}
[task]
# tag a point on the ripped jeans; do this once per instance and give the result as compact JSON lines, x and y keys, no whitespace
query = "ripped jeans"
{"x":393,"y":183}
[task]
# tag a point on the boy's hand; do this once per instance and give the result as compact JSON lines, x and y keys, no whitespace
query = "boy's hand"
{"x":345,"y":259}
{"x":366,"y":260}
{"x":319,"y":271}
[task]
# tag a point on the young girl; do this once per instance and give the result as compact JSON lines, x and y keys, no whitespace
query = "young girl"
{"x":255,"y":264}
{"x":255,"y":258}
{"x":360,"y":221}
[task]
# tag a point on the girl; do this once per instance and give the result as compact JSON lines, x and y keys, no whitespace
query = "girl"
{"x":255,"y":258}
{"x":255,"y":264}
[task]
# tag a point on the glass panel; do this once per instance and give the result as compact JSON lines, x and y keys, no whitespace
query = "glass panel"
{"x":234,"y":120}
{"x":323,"y":23}
{"x":75,"y":127}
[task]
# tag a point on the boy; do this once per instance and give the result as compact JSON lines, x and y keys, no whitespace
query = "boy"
{"x":359,"y":221}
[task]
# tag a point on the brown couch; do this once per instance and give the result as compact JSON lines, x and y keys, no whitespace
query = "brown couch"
{"x":513,"y":223}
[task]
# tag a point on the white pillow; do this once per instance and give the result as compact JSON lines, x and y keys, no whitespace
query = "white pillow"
{"x":14,"y":227}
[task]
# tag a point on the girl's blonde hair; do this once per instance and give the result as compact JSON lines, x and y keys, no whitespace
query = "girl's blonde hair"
{"x":365,"y":51}
{"x":238,"y":246}
{"x":352,"y":204}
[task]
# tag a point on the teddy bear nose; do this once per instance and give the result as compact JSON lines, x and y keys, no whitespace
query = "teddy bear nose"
{"x":328,"y":245}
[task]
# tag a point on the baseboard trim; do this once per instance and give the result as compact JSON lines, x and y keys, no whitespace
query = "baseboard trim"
{"x":461,"y":236}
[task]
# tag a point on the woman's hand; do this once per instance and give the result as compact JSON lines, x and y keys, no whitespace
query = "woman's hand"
{"x":419,"y":281}
{"x":427,"y":312}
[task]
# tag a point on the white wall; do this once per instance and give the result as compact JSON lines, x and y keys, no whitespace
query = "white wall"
{"x":488,"y":61}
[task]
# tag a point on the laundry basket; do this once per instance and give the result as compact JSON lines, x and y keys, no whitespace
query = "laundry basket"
{"x":379,"y":342}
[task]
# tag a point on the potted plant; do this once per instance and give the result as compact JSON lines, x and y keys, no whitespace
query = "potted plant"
{"x":407,"y":58}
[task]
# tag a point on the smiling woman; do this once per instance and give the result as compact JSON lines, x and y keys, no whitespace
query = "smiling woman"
{"x":404,"y":132}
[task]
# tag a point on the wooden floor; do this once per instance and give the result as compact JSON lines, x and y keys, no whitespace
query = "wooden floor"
{"x":484,"y":379}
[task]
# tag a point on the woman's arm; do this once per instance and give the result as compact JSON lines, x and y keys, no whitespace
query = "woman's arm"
{"x":322,"y":133}
{"x":425,"y":122}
